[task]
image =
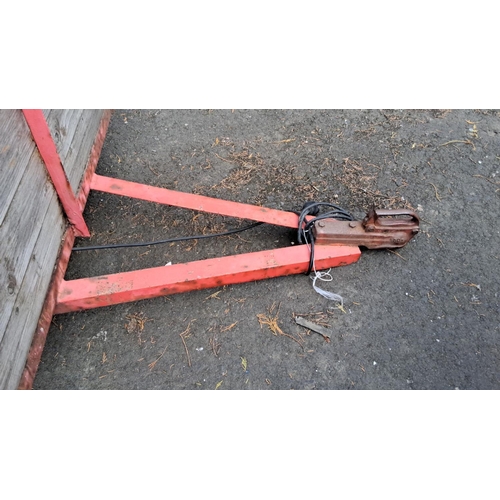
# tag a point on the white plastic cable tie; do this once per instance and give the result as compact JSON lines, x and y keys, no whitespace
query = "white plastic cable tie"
{"x":326,"y":276}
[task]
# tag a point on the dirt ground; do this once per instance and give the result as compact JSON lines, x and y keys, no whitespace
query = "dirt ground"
{"x":424,"y":317}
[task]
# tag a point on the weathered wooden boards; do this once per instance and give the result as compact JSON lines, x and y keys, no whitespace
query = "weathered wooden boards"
{"x":74,"y":132}
{"x":32,"y":223}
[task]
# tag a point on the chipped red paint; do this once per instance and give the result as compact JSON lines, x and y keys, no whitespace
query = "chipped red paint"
{"x":48,"y":151}
{"x":88,"y":293}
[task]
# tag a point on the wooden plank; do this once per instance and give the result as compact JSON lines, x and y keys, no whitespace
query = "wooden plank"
{"x":44,"y":321}
{"x":16,"y":149}
{"x":32,"y":224}
{"x":73,"y":131}
{"x":76,"y":160}
{"x":29,"y":301}
{"x":62,"y":124}
{"x":20,"y":231}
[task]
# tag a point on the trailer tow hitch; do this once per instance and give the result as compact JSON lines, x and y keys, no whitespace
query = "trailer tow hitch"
{"x":331,"y":242}
{"x":379,"y":229}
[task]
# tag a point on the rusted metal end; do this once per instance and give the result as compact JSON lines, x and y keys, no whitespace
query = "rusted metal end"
{"x":379,"y":229}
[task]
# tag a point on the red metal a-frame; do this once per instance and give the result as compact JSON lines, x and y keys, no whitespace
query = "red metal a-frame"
{"x":87,"y":293}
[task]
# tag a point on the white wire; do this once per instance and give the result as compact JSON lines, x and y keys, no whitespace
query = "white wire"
{"x":325,"y":293}
{"x":324,"y":276}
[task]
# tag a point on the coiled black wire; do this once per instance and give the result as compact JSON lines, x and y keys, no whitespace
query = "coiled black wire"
{"x":304,"y":233}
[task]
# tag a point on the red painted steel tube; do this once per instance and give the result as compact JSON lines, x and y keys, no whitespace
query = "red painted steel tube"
{"x":48,"y":151}
{"x":194,"y":201}
{"x":89,"y":293}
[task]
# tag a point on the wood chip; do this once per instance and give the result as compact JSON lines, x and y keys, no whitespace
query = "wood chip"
{"x":313,"y":326}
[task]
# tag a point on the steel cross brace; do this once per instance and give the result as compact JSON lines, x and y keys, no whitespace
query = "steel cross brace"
{"x":100,"y":291}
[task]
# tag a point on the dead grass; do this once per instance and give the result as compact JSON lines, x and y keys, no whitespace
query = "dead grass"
{"x":360,"y":179}
{"x":352,"y":183}
{"x":153,"y":364}
{"x":247,"y":163}
{"x":271,"y":321}
{"x":366,"y":132}
{"x":243,"y":158}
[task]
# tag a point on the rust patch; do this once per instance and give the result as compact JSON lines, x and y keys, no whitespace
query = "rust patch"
{"x":379,"y":229}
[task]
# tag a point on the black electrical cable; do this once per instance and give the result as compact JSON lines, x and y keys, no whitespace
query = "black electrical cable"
{"x":304,"y":233}
{"x":171,"y":240}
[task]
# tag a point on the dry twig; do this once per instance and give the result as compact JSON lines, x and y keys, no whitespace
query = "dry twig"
{"x":486,"y":179}
{"x":435,"y":191}
{"x":227,"y":328}
{"x":215,"y":345}
{"x":395,"y":253}
{"x":153,"y":364}
{"x":463,"y":142}
{"x":184,"y":335}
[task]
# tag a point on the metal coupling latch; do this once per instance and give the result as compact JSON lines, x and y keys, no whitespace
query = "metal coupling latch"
{"x":379,"y":229}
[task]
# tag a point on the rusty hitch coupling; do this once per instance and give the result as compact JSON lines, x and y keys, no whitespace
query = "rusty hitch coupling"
{"x":379,"y":229}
